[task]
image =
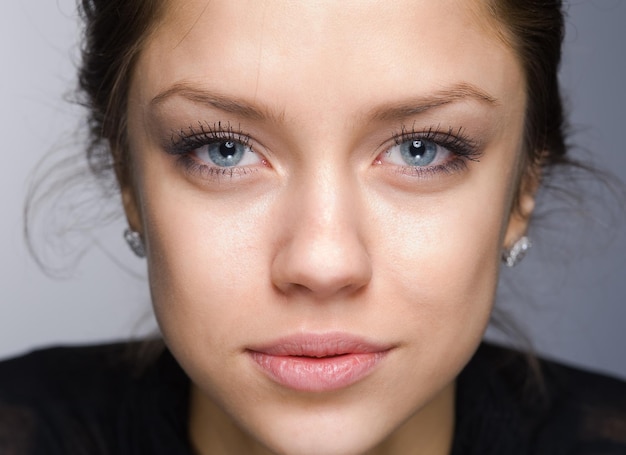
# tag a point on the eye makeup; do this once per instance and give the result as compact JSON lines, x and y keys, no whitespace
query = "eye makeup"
{"x":214,"y":150}
{"x":430,"y":152}
{"x":211,"y":151}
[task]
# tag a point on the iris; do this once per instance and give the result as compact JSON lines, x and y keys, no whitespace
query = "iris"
{"x":418,"y":152}
{"x":226,"y":154}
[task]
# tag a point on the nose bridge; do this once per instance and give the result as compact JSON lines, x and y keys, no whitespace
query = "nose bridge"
{"x":322,"y":250}
{"x":325,"y":202}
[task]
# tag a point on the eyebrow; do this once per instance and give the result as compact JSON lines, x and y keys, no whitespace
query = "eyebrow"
{"x":393,"y":111}
{"x":459,"y":92}
{"x":202,"y":96}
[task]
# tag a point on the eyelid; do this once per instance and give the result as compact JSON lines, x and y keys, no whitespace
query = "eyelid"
{"x":193,"y":137}
{"x":455,"y":140}
{"x":187,"y":143}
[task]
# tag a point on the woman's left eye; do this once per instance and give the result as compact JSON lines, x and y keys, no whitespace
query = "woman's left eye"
{"x":226,"y":154}
{"x":417,"y":153}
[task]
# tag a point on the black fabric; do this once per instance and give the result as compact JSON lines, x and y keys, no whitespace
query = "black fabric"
{"x":503,"y":407}
{"x":94,"y":400}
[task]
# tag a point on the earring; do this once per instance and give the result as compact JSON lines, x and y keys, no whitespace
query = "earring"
{"x":133,"y":238}
{"x":514,"y":256}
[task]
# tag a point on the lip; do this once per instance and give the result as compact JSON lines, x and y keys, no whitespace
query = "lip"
{"x":318,"y":363}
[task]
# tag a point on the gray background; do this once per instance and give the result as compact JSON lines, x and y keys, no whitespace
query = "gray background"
{"x":568,"y":295}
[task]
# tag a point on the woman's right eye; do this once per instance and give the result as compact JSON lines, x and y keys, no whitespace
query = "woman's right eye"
{"x":226,"y":154}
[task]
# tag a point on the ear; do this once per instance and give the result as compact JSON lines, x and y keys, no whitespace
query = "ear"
{"x":130,"y":199}
{"x":131,"y":208}
{"x":523,"y":205}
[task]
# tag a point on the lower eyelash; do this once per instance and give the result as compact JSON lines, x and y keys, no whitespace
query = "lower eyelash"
{"x":191,"y":166}
{"x":458,"y":164}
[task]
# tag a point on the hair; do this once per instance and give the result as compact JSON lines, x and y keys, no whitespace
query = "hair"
{"x":535,"y":30}
{"x":114,"y":35}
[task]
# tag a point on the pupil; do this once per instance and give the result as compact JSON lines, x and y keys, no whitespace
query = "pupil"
{"x":227,"y":149}
{"x":417,"y":149}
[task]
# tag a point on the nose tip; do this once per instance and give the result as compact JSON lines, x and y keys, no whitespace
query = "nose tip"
{"x":322,"y":266}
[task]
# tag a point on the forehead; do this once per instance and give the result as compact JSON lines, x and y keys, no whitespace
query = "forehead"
{"x":335,"y":53}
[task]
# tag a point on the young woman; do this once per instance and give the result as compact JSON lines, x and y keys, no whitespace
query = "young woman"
{"x":324,"y":192}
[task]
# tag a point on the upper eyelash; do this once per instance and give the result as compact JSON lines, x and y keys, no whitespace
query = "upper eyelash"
{"x":456,"y":141}
{"x":187,"y":140}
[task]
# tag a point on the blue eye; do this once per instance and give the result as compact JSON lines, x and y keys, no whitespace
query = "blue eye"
{"x":418,"y":152}
{"x":224,"y":154}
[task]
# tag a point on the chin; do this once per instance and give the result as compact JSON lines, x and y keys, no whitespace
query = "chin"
{"x":348,"y":437}
{"x":341,"y":423}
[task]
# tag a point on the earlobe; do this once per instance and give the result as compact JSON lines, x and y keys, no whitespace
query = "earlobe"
{"x":523,"y":206}
{"x":519,"y":219}
{"x":134,"y":233}
{"x":516,"y":243}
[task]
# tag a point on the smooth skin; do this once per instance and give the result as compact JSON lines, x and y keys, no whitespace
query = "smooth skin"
{"x":322,"y":227}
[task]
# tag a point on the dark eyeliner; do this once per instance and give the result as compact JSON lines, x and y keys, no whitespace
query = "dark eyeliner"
{"x":184,"y":142}
{"x":461,"y":147}
{"x":193,"y":137}
{"x":454,"y":140}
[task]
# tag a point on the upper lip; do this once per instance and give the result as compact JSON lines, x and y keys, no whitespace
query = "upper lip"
{"x":320,"y":345}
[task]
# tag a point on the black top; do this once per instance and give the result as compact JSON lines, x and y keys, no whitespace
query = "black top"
{"x":95,"y":401}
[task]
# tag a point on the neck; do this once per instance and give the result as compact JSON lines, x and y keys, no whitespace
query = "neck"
{"x":428,"y":432}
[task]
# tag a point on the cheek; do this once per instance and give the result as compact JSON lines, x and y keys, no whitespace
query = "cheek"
{"x":205,"y":262}
{"x":447,"y":294}
{"x":440,"y":257}
{"x":445,"y":243}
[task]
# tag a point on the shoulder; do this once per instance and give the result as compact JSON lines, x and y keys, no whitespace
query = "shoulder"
{"x":558,"y":409}
{"x":595,"y":404}
{"x":50,"y":394}
{"x":64,"y":373}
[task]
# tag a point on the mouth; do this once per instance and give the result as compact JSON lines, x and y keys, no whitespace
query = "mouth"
{"x":318,"y":363}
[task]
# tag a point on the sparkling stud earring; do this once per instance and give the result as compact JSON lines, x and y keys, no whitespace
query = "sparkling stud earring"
{"x":513,"y":256}
{"x":135,"y":243}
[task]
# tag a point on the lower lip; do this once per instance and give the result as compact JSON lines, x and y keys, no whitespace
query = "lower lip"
{"x":311,"y":374}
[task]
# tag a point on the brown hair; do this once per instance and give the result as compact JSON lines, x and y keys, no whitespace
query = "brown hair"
{"x":535,"y":29}
{"x":115,"y":32}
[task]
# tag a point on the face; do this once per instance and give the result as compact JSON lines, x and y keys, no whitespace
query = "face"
{"x":324,"y":189}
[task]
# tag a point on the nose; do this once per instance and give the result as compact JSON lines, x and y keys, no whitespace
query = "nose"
{"x":321,"y":248}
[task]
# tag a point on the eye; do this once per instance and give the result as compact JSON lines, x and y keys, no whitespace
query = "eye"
{"x":417,"y":153}
{"x":226,"y":154}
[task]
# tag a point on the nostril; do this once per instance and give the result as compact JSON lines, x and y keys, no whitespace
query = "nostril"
{"x":302,"y":275}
